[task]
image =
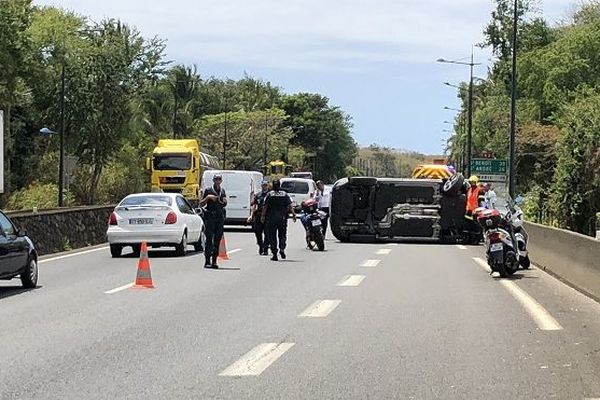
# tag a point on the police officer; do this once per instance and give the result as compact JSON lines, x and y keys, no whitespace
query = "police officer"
{"x":215,"y":200}
{"x":258,"y":201}
{"x":274,"y":214}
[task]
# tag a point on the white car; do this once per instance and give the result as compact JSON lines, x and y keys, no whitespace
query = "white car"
{"x":299,"y":189}
{"x":159,"y":219}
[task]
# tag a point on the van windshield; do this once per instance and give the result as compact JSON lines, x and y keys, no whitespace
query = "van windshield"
{"x":295,"y":187}
{"x":172,"y":161}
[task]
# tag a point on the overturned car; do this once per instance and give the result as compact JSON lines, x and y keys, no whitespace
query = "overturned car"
{"x":368,"y":209}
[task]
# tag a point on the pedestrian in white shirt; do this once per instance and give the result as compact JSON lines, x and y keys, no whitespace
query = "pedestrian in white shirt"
{"x":323,"y":197}
{"x":490,"y":197}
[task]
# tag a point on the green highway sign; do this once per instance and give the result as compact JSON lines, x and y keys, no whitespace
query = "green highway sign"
{"x":487,"y":166}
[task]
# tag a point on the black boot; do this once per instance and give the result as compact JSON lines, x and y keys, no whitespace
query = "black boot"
{"x":207,"y":262}
{"x":214,"y":262}
{"x":274,"y":258}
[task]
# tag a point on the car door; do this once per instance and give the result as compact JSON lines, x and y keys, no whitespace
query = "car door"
{"x":14,"y":253}
{"x":189,"y":217}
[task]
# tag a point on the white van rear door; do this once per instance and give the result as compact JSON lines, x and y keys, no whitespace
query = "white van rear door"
{"x":238,"y":188}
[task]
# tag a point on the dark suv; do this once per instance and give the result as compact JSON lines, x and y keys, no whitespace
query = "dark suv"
{"x":17,"y":254}
{"x":365,"y":208}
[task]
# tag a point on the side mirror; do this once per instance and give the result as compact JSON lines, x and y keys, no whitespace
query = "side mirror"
{"x":519,"y":200}
{"x":198,"y":211}
{"x":22,"y":233}
{"x":148,"y":163}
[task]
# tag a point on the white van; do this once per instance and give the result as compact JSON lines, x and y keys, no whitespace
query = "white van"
{"x":240,"y":187}
{"x":299,"y":189}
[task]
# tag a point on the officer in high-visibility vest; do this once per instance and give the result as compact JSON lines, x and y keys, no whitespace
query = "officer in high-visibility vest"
{"x":278,"y":205}
{"x":473,"y":194}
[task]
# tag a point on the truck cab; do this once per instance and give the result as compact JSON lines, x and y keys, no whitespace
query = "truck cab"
{"x":176,"y":167}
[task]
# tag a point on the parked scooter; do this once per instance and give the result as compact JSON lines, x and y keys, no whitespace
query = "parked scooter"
{"x":312,"y":220}
{"x":505,"y":239}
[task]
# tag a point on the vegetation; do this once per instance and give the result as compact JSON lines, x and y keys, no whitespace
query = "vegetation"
{"x":383,"y":161}
{"x":558,"y":138}
{"x":121,"y":95}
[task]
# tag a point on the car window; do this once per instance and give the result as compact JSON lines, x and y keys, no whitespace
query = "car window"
{"x":7,"y":226}
{"x":146,"y":201}
{"x":295,"y":187}
{"x":184,"y":206}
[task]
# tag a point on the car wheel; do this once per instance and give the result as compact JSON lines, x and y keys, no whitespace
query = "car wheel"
{"x":181,"y":248}
{"x":29,"y":277}
{"x":137,"y":249}
{"x":116,"y":250}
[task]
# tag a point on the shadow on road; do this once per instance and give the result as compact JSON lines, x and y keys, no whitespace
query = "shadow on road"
{"x":9,"y":291}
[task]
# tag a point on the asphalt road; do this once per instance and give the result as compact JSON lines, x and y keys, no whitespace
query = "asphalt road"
{"x":419,"y":321}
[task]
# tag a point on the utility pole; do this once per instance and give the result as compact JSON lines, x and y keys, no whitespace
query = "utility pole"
{"x":61,"y":161}
{"x":513,"y":108}
{"x":225,"y":142}
{"x":175,"y":110}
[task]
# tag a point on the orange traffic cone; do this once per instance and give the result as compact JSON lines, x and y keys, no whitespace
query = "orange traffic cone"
{"x":143,"y":279}
{"x":223,"y":250}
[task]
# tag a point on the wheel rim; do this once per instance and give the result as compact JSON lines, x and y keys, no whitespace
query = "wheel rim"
{"x":184,"y":242}
{"x":33,"y":271}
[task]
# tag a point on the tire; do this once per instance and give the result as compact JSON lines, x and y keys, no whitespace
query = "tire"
{"x":29,"y":277}
{"x":453,"y":186}
{"x":181,"y":248}
{"x":525,"y":262}
{"x":503,"y":271}
{"x":116,"y":250}
{"x":320,"y":241}
{"x":137,"y":249}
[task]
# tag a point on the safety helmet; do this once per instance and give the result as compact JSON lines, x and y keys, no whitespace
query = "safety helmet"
{"x":309,"y":205}
{"x":474,"y":179}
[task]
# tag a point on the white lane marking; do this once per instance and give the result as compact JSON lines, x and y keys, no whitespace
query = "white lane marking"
{"x":460,"y":246}
{"x":233,"y":251}
{"x":370,"y":263}
{"x":320,"y":308}
{"x":79,"y":253}
{"x":536,"y":311}
{"x":483,"y":264}
{"x":119,"y":289}
{"x":351,"y":280}
{"x":392,"y":244}
{"x":540,"y":315}
{"x":383,"y":251}
{"x":257,"y":360}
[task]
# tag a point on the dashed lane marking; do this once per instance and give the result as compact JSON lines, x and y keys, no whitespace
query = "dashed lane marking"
{"x":79,"y":253}
{"x":392,"y":244}
{"x":351,"y":280}
{"x":233,"y":251}
{"x":544,"y":320}
{"x":257,"y":360}
{"x":320,"y":309}
{"x":462,"y":247}
{"x":119,"y":289}
{"x":370,"y":263}
{"x":383,"y":252}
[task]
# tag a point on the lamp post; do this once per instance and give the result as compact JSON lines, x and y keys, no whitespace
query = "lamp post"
{"x":470,"y":106}
{"x":513,"y":107}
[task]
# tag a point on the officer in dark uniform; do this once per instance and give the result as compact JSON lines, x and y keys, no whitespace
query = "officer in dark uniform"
{"x":258,"y":201}
{"x":215,"y":200}
{"x":274,"y":214}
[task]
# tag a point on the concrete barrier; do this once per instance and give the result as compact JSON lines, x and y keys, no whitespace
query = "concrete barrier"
{"x":570,"y":256}
{"x":57,"y":230}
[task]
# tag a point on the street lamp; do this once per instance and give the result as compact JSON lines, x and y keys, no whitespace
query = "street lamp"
{"x":513,"y":107}
{"x":470,"y":107}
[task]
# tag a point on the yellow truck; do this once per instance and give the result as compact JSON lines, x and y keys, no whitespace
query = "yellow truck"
{"x":177,"y":166}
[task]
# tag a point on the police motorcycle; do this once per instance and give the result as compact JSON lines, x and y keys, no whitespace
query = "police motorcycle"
{"x":505,"y":239}
{"x":312,"y":220}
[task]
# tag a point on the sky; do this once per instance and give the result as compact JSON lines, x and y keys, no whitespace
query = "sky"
{"x":375,"y":59}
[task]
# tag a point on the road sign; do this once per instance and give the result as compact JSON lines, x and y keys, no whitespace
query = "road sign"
{"x":491,"y":167}
{"x":492,"y":178}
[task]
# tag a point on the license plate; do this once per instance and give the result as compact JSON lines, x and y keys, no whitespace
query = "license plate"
{"x":496,"y":247}
{"x":141,"y":221}
{"x":316,"y":222}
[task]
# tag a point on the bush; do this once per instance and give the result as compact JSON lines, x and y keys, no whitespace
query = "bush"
{"x":42,"y":196}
